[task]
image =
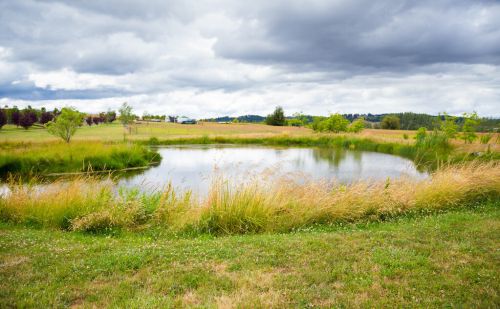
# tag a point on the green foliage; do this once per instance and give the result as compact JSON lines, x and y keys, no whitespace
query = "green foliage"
{"x":449,"y":126}
{"x":405,"y":136}
{"x":295,"y":122}
{"x":277,"y":118}
{"x":469,"y":128}
{"x":485,"y":138}
{"x":65,"y":125}
{"x":335,"y":123}
{"x":413,"y":121}
{"x":391,"y":122}
{"x":40,"y":159}
{"x":357,"y":125}
{"x":421,"y":135}
{"x":302,"y":118}
{"x":126,"y":115}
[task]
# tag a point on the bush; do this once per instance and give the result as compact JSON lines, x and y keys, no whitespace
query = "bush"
{"x":390,"y":122}
{"x":357,"y":125}
{"x":335,"y":123}
{"x":277,"y":118}
{"x":469,"y":128}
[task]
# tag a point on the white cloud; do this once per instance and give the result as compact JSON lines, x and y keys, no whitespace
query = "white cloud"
{"x":210,"y":58}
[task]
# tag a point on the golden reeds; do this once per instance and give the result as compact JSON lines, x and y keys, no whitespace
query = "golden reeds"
{"x":281,"y":205}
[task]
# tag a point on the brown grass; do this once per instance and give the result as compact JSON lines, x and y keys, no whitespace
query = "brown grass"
{"x":87,"y":205}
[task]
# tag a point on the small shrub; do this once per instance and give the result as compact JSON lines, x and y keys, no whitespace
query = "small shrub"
{"x":485,"y":138}
{"x":391,"y":122}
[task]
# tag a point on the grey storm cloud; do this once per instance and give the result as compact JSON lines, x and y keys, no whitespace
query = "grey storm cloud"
{"x":372,"y":35}
{"x":221,"y":57}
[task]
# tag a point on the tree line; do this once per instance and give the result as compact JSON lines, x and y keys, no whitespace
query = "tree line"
{"x":30,"y":116}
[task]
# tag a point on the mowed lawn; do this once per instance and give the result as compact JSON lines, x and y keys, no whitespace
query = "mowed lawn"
{"x":446,"y":260}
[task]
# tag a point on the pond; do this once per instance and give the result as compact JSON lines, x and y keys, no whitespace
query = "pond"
{"x":194,"y":167}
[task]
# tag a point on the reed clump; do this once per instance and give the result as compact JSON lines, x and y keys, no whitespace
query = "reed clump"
{"x":278,"y":206}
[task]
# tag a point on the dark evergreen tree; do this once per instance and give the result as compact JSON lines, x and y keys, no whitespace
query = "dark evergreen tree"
{"x":16,"y":116}
{"x":3,"y":118}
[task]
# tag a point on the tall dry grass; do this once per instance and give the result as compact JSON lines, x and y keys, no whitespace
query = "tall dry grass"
{"x":278,"y":206}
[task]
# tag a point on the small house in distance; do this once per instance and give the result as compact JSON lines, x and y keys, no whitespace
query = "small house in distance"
{"x":172,"y":119}
{"x":186,"y":120}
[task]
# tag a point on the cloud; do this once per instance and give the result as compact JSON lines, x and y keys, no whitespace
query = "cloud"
{"x":206,"y":58}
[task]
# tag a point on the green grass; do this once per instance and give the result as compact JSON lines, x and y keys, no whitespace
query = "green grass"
{"x":443,"y":260}
{"x":58,"y":157}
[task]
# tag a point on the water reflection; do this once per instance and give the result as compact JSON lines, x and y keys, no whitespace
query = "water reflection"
{"x":192,"y":167}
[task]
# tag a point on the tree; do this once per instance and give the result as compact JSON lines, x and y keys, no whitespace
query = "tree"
{"x":110,"y":116}
{"x":126,"y":116}
{"x":45,"y":117}
{"x":27,"y":118}
{"x":448,"y":125}
{"x":390,"y":122}
{"x":65,"y":124}
{"x":357,"y":125}
{"x":3,"y":118}
{"x":96,"y":120}
{"x":88,"y":120}
{"x":469,"y":128}
{"x":335,"y":123}
{"x":277,"y":118}
{"x":16,"y":116}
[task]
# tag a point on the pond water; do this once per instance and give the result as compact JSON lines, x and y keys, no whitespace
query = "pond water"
{"x":193,"y":167}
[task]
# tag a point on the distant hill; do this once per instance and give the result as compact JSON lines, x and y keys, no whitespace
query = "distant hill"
{"x":245,"y":118}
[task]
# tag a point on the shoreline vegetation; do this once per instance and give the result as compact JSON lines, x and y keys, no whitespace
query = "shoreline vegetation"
{"x":89,"y":205}
{"x":426,"y":157}
{"x":39,"y":159}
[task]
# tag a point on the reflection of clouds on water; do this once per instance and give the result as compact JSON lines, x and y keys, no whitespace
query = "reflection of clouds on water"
{"x":195,"y":167}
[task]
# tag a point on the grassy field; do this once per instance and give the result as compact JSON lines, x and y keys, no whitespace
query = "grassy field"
{"x":162,"y":131}
{"x":395,"y":243}
{"x":445,"y":260}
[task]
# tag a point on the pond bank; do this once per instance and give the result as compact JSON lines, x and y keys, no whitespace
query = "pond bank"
{"x":33,"y":159}
{"x":90,"y":205}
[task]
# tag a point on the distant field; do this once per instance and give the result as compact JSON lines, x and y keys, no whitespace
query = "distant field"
{"x":144,"y":131}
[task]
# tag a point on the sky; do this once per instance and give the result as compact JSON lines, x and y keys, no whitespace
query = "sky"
{"x":215,"y":58}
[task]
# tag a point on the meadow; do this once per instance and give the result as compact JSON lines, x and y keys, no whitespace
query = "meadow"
{"x":144,"y":131}
{"x":85,"y":242}
{"x":442,"y":260}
